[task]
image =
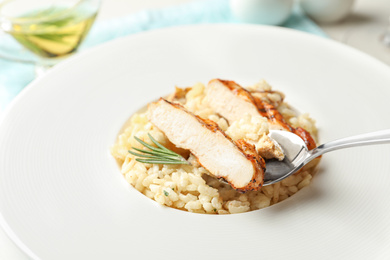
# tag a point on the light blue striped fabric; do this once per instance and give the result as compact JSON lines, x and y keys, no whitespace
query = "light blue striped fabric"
{"x":15,"y":76}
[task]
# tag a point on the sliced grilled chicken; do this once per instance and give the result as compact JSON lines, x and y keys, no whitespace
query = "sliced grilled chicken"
{"x":269,"y":148}
{"x":277,"y":122}
{"x":236,"y":162}
{"x":232,"y":101}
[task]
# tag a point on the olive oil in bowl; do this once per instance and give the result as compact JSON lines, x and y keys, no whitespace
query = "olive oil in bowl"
{"x":52,"y":32}
{"x":49,"y":29}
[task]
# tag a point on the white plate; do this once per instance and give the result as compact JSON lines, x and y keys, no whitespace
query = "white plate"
{"x":62,"y":196}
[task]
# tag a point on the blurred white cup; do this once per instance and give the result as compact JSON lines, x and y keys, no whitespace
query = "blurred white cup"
{"x":327,"y":11}
{"x":269,"y":12}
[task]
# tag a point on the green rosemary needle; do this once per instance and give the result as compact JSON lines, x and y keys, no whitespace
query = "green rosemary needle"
{"x":156,"y":155}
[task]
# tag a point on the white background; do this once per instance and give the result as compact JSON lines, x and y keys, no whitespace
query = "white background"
{"x":361,"y":29}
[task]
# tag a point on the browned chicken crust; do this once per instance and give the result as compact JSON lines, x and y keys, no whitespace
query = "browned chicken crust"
{"x":269,"y":111}
{"x":251,"y":154}
{"x":246,"y":149}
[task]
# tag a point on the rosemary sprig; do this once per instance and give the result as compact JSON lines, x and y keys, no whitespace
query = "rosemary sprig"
{"x":156,"y":155}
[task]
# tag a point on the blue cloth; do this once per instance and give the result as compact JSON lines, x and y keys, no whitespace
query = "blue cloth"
{"x":15,"y":76}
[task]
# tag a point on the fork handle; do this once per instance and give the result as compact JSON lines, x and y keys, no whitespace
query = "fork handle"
{"x":379,"y":137}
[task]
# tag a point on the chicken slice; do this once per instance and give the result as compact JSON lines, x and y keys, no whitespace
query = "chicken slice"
{"x":277,"y":122}
{"x":268,"y":148}
{"x":232,"y":101}
{"x":235,"y":161}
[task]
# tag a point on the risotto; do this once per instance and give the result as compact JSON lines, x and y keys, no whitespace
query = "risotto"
{"x":191,"y":187}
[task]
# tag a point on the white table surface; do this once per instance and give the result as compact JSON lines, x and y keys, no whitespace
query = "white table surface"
{"x":361,"y":30}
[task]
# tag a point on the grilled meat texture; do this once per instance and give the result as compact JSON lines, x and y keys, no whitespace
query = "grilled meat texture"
{"x":237,"y":162}
{"x":232,"y":101}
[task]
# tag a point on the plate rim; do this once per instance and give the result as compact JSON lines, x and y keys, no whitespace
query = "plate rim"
{"x":104,"y":45}
{"x":16,"y":102}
